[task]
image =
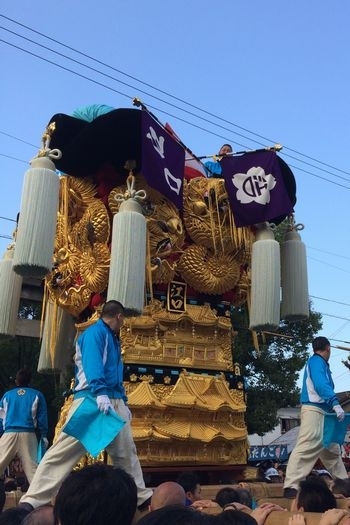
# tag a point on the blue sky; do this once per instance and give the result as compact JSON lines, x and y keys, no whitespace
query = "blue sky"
{"x":266,"y":72}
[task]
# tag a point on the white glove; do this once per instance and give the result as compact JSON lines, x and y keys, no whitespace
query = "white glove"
{"x":340,"y":412}
{"x":104,"y":404}
{"x":45,"y":442}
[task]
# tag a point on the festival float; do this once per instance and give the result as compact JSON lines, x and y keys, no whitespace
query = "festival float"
{"x":115,"y":206}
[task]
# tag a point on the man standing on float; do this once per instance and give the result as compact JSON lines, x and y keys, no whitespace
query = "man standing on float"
{"x":98,"y":373}
{"x":317,"y":398}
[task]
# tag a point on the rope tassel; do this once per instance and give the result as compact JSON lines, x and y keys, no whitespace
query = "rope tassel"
{"x":57,"y":339}
{"x":265,"y":276}
{"x":294,"y":281}
{"x":38,"y":215}
{"x":128,"y":252}
{"x":10,"y":293}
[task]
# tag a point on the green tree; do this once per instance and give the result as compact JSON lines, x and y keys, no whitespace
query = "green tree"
{"x":271,"y":372}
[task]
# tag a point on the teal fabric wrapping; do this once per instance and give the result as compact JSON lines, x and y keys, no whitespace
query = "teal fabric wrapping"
{"x":94,"y":429}
{"x":89,"y":113}
{"x":334,"y":431}
{"x":41,"y":450}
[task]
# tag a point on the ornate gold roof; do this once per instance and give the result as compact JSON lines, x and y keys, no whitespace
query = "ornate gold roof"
{"x":203,"y":392}
{"x":144,"y":396}
{"x":195,"y":429}
{"x":141,"y":434}
{"x":196,"y":338}
{"x":200,"y":315}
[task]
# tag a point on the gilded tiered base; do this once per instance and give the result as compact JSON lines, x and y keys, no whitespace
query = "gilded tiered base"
{"x":185,"y":394}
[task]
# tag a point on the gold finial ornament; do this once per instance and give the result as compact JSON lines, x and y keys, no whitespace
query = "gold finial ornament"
{"x":45,"y":150}
{"x":275,"y":147}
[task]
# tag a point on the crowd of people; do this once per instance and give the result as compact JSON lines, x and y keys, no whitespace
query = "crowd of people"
{"x":104,"y":494}
{"x":116,"y":493}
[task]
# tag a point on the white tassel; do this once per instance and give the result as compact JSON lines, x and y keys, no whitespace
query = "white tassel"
{"x":265,"y":277}
{"x":37,"y":220}
{"x":294,"y":281}
{"x":59,"y":332}
{"x":10,"y":294}
{"x":38,"y":213}
{"x":126,"y":282}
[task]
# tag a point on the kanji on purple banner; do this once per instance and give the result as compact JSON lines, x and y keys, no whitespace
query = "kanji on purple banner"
{"x":256,"y":184}
{"x":163,"y":160}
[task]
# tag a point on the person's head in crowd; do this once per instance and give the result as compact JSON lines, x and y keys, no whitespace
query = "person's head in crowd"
{"x":322,"y":346}
{"x":174,"y":515}
{"x":314,"y":496}
{"x":113,"y":313}
{"x":281,"y":473}
{"x":40,"y":516}
{"x":23,"y":377}
{"x":2,"y":494}
{"x":10,"y":484}
{"x":226,"y":495}
{"x":168,"y":493}
{"x":22,"y":483}
{"x":326,"y":476}
{"x":245,"y":497}
{"x":225,"y":149}
{"x":189,"y":481}
{"x":95,"y":494}
{"x":271,"y":475}
{"x":263,"y":468}
{"x":340,"y":487}
{"x":13,"y":516}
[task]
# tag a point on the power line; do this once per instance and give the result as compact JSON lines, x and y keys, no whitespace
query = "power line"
{"x":66,"y":69}
{"x":327,"y":264}
{"x":335,"y":316}
{"x":312,"y":296}
{"x":329,"y":300}
{"x":8,"y":219}
{"x":13,"y":158}
{"x":125,"y":74}
{"x":328,"y":253}
{"x":168,"y":103}
{"x":16,"y":138}
{"x":164,"y":92}
{"x":125,"y":84}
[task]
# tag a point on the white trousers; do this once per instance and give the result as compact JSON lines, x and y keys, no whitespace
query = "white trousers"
{"x":309,"y":448}
{"x":65,"y":453}
{"x":25,"y":445}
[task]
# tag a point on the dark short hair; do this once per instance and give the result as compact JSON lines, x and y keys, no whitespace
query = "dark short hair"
{"x":112,"y":308}
{"x":188,"y":481}
{"x":315,"y":496}
{"x":320,"y":343}
{"x":97,"y":493}
{"x":226,"y":495}
{"x":13,"y":516}
{"x":245,"y":497}
{"x":23,"y":377}
{"x":228,"y":145}
{"x":341,"y":486}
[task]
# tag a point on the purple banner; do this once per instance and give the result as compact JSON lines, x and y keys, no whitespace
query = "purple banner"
{"x":163,"y":160}
{"x":256,"y":188}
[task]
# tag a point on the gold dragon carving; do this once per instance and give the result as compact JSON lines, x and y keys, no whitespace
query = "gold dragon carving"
{"x":203,"y":248}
